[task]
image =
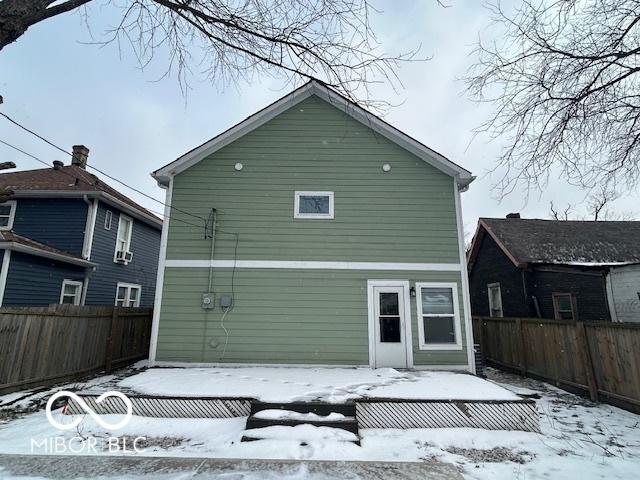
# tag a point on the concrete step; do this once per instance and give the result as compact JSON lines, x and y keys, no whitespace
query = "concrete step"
{"x":319,"y":408}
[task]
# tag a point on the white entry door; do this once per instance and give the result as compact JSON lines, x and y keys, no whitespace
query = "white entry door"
{"x":389,"y":327}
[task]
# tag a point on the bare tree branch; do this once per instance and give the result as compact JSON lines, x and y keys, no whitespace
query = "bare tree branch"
{"x":564,"y":82}
{"x":331,"y":41}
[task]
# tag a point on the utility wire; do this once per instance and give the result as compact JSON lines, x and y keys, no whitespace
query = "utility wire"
{"x":167,"y":217}
{"x":92,"y":167}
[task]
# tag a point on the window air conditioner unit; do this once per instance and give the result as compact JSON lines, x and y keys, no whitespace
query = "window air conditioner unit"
{"x":128,"y":256}
{"x":121,"y":256}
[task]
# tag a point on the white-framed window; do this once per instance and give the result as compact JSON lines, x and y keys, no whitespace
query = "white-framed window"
{"x":71,"y":292}
{"x":108,"y":217}
{"x":495,"y":300}
{"x":315,"y":205}
{"x":7,"y":214}
{"x":438,"y":316}
{"x":123,"y":238}
{"x":128,"y":295}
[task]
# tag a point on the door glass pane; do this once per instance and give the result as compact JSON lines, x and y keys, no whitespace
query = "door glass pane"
{"x":439,"y":329}
{"x":389,"y":304}
{"x":314,"y":204}
{"x":437,"y":300}
{"x":390,"y":329}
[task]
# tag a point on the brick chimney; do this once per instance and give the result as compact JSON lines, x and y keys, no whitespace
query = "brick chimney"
{"x":80,"y":156}
{"x":513,"y":215}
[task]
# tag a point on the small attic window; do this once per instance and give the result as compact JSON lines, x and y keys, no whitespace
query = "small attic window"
{"x":313,"y":205}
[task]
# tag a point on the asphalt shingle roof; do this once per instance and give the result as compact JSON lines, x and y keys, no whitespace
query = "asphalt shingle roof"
{"x":568,"y":242}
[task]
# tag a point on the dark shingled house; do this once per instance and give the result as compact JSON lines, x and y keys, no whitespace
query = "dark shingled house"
{"x":555,"y":269}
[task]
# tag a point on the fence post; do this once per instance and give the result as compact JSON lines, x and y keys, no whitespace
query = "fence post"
{"x":587,"y":360}
{"x":109,"y":350}
{"x":522,"y":356}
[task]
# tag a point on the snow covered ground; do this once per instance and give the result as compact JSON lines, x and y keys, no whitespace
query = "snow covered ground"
{"x":578,"y":439}
{"x":277,"y":384}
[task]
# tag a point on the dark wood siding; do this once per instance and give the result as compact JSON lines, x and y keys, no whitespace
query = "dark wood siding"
{"x":145,"y":245}
{"x":588,"y":287}
{"x":37,"y":281}
{"x":493,"y":266}
{"x":57,"y":222}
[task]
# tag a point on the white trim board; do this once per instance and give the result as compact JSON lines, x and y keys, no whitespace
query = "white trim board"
{"x":435,"y":159}
{"x":162,"y":259}
{"x":4,"y":271}
{"x":312,"y":265}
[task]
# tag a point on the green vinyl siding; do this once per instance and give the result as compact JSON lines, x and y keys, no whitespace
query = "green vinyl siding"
{"x":294,"y":315}
{"x":405,"y":215}
{"x":283,"y":316}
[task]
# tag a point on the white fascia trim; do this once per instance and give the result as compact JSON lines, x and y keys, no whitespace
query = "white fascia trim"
{"x":4,"y":272}
{"x":18,"y":247}
{"x":463,"y":176}
{"x":89,"y":229}
{"x":466,"y":299}
{"x":162,"y":259}
{"x":312,"y":265}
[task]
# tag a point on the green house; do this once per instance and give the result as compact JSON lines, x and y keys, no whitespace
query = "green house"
{"x":313,"y":233}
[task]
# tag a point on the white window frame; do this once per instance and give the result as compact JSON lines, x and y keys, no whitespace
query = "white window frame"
{"x":108,"y":219}
{"x":316,"y":216}
{"x":78,"y":297}
{"x":127,"y":240}
{"x":491,"y":306}
{"x":456,"y":317}
{"x":129,"y":287}
{"x":12,"y":214}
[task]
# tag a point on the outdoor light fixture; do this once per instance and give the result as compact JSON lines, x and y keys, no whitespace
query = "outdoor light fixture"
{"x":412,"y":292}
{"x":386,"y":167}
{"x":238,"y":166}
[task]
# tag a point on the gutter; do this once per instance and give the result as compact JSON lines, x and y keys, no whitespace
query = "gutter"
{"x":17,"y":247}
{"x":109,"y":199}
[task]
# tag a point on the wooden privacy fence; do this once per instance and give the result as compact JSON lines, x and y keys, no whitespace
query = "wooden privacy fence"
{"x":45,"y":345}
{"x":601,"y":359}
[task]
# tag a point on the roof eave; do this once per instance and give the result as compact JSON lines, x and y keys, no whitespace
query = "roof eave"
{"x":18,"y":247}
{"x":430,"y":156}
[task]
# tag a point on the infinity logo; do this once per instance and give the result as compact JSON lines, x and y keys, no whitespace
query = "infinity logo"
{"x":86,"y":408}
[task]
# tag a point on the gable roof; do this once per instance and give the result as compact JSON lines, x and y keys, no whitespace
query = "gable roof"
{"x":561,"y":242}
{"x":72,"y":181}
{"x":435,"y":159}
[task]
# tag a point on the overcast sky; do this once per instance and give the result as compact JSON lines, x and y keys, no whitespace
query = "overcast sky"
{"x":73,"y":93}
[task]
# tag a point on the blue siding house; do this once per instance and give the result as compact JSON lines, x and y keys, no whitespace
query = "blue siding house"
{"x":68,"y":237}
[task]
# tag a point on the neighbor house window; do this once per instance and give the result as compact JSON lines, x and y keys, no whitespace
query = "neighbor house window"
{"x":495,"y":300}
{"x":438,"y":316}
{"x":128,"y":295}
{"x":123,"y":240}
{"x":107,"y":220}
{"x":565,"y":306}
{"x":313,"y":205}
{"x":71,"y":292}
{"x":7,"y":213}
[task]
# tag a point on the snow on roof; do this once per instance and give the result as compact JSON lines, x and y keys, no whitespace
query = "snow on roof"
{"x":566,"y":242}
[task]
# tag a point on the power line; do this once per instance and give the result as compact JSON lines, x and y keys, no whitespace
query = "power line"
{"x":93,"y":168}
{"x":167,"y":217}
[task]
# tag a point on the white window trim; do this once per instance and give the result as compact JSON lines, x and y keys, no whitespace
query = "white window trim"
{"x":12,"y":214}
{"x":128,"y":246}
{"x":128,"y":286}
{"x":108,"y":216}
{"x":456,"y":317}
{"x":75,"y":283}
{"x":316,"y":216}
{"x":489,"y":287}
